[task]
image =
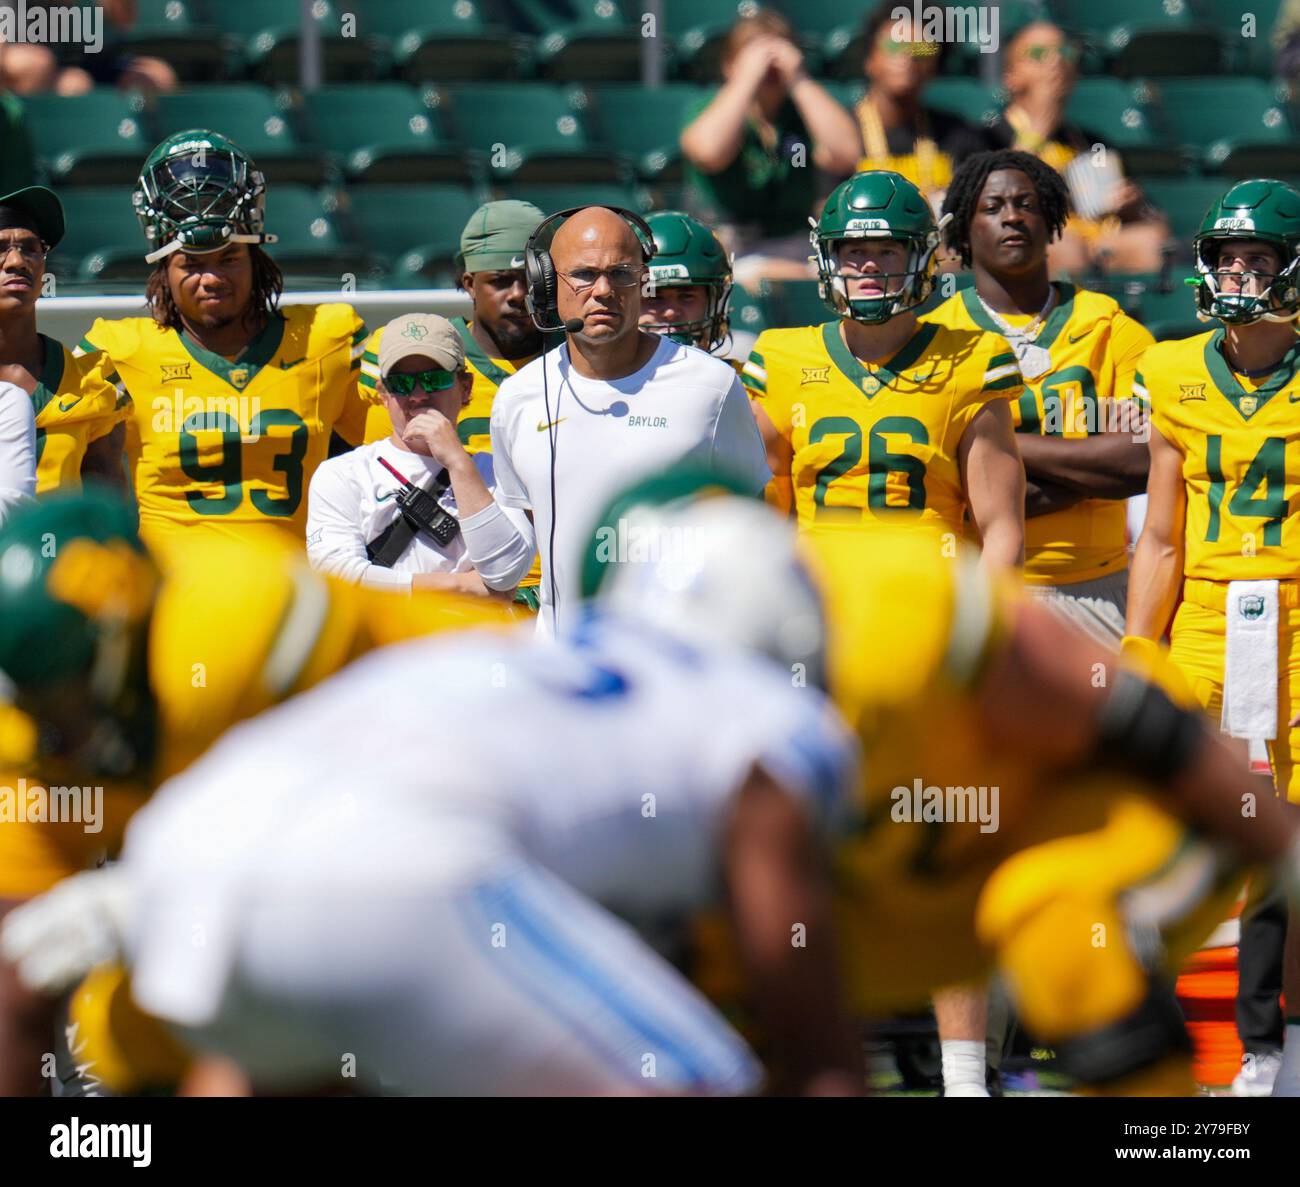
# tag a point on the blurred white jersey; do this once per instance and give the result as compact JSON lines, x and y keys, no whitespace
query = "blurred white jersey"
{"x":451,"y":773}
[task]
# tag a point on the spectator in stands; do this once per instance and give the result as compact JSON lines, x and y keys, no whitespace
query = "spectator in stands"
{"x":754,"y":147}
{"x":1286,"y":40}
{"x":33,"y":69}
{"x":356,"y":531}
{"x":1113,"y":226}
{"x":899,"y":132}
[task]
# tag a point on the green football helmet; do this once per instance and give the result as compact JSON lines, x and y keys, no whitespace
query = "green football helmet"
{"x":687,"y":253}
{"x":1262,"y":209}
{"x":876,"y":205}
{"x":77,"y":590}
{"x":199,"y":192}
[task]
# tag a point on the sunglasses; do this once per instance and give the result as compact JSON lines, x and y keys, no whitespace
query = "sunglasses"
{"x":1042,"y":53}
{"x":917,"y":49}
{"x":432,"y":380}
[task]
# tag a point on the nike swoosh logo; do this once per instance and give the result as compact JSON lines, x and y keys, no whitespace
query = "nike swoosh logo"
{"x":1294,"y":399}
{"x":1075,"y":337}
{"x":517,"y":262}
{"x":541,"y":428}
{"x":64,"y":405}
{"x":286,"y":366}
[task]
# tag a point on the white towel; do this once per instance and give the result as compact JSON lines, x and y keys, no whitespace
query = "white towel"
{"x":1250,"y":664}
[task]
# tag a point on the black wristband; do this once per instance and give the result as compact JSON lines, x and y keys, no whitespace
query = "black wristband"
{"x":1142,"y":731}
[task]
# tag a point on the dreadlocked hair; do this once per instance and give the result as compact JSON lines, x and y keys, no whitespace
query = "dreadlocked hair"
{"x":968,"y":181}
{"x":268,"y":284}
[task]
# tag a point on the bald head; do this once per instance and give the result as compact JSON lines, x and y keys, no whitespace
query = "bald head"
{"x":598,"y":257}
{"x":595,"y":230}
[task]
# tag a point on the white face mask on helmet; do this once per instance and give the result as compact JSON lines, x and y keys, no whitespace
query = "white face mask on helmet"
{"x":719,"y":569}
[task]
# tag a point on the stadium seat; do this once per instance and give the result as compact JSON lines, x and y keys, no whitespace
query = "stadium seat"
{"x":644,"y":125}
{"x":392,"y":220}
{"x":253,"y":117}
{"x":1229,"y":125}
{"x":847,"y":90}
{"x":174,"y":31}
{"x":550,"y":198}
{"x":308,"y":241}
{"x":1117,"y":111}
{"x":262,"y":40}
{"x":103,"y":240}
{"x":529,"y":132}
{"x":1245,"y":29}
{"x":697,"y":28}
{"x":90,"y":139}
{"x":967,"y":98}
{"x":450,"y":40}
{"x":831,"y":33}
{"x":1146,"y":40}
{"x":387,"y":132}
{"x":583,"y":40}
{"x":747,"y":313}
{"x":795,"y":303}
{"x":1184,"y":202}
{"x":1164,"y":304}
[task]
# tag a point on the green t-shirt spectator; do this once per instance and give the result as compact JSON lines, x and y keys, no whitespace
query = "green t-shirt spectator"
{"x":763,"y":187}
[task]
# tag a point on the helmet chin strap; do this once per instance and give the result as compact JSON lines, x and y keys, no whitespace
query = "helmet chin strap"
{"x":176,"y":245}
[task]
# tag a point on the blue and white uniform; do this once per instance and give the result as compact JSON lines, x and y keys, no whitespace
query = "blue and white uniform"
{"x":421,"y":864}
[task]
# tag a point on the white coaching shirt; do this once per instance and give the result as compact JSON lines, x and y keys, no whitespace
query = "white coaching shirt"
{"x":350,"y":502}
{"x":682,"y":405}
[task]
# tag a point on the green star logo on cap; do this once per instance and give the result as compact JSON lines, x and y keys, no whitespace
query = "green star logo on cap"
{"x":414,"y":330}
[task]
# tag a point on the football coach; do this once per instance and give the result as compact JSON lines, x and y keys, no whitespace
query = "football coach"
{"x":611,"y":403}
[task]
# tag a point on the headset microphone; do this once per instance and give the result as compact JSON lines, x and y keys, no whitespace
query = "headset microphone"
{"x":573,"y":325}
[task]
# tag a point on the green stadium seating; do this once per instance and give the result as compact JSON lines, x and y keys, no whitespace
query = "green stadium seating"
{"x":394,"y":219}
{"x":550,"y":198}
{"x":747,"y":313}
{"x":1146,"y":40}
{"x":583,"y":40}
{"x":90,"y":139}
{"x":450,"y":40}
{"x":697,"y":28}
{"x":847,"y":90}
{"x":103,"y":239}
{"x":1165,"y":305}
{"x":831,"y":33}
{"x":644,"y":125}
{"x":1229,"y":125}
{"x":262,"y":39}
{"x":387,"y":132}
{"x":795,"y":303}
{"x":308,"y":240}
{"x":253,"y":117}
{"x":173,"y":30}
{"x":1117,"y":111}
{"x":1184,"y":202}
{"x":529,"y":132}
{"x":1251,"y":53}
{"x":967,"y":98}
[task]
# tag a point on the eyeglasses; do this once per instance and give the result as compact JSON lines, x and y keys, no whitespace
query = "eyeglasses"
{"x":29,"y":249}
{"x":1042,"y":53}
{"x":621,"y":277}
{"x":432,"y":380}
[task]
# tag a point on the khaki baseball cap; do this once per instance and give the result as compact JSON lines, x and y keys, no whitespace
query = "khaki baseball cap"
{"x":421,"y":333}
{"x":494,"y":238}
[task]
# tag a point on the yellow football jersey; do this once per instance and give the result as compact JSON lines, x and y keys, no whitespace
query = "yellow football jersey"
{"x":475,"y":423}
{"x":1095,"y":349}
{"x":75,"y":404}
{"x":222,"y":448}
{"x":1240,"y":442}
{"x":236,"y":628}
{"x":876,"y":441}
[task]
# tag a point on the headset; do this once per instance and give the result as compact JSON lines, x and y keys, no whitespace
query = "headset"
{"x":542,"y":300}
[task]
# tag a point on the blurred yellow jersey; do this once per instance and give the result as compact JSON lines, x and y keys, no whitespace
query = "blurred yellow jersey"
{"x":1095,"y":348}
{"x":475,"y":423}
{"x":870,"y":441}
{"x":75,"y":404}
{"x":222,"y":448}
{"x":1240,"y":442}
{"x":236,"y":628}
